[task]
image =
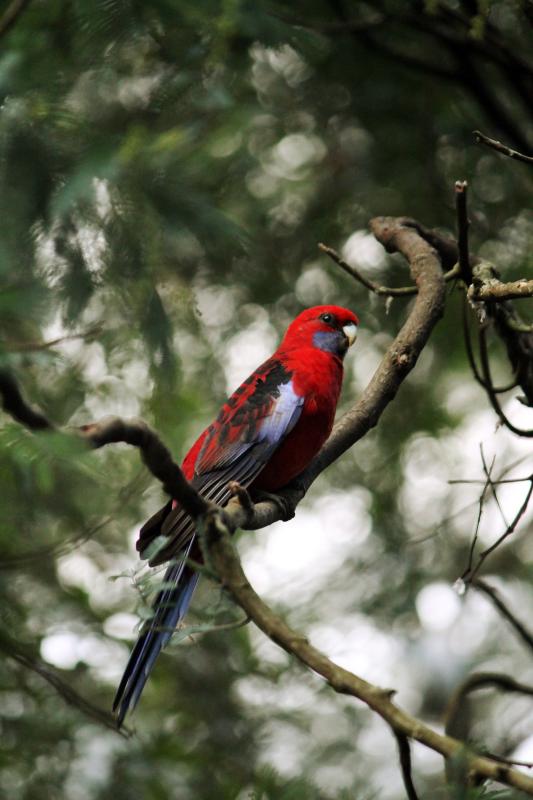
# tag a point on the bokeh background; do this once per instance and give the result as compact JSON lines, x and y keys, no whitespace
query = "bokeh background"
{"x":166,"y":172}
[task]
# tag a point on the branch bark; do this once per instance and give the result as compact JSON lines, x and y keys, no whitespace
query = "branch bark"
{"x":516,"y":337}
{"x":396,"y":234}
{"x":154,"y":453}
{"x":481,"y":138}
{"x":496,"y":291}
{"x":226,"y":563}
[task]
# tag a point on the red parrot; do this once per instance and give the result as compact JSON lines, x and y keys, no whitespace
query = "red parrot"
{"x":265,"y":435}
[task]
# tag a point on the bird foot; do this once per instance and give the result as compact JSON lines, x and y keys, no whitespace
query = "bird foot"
{"x":286,"y":508}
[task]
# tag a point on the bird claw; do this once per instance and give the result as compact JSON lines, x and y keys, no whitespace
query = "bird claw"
{"x":284,"y":505}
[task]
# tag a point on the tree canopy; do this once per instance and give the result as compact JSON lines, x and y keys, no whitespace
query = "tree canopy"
{"x":167,"y":171}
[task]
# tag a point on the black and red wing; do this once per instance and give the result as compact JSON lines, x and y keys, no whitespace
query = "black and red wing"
{"x":236,"y":447}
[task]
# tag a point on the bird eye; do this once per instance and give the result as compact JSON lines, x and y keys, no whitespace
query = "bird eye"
{"x":327,"y":318}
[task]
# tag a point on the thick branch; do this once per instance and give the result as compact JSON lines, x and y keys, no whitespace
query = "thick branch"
{"x":154,"y":453}
{"x":494,"y":290}
{"x":518,"y":342}
{"x":228,"y":566}
{"x":396,"y":234}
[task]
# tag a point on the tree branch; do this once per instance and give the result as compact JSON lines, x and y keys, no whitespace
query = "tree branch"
{"x":13,"y":403}
{"x":154,"y":453}
{"x":396,"y":234}
{"x":228,"y":567}
{"x":518,"y":343}
{"x":494,"y":596}
{"x":471,"y":358}
{"x":26,"y":659}
{"x":461,"y":189}
{"x":489,"y":387}
{"x":404,"y":752}
{"x":471,"y":572}
{"x":481,"y":138}
{"x":494,"y":290}
{"x":372,"y":286}
{"x":24,"y":347}
{"x":478,"y":680}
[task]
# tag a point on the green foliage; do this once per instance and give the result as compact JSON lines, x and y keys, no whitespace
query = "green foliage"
{"x":166,"y":171}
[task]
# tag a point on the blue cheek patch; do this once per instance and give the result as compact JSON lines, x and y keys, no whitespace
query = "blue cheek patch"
{"x":330,"y":342}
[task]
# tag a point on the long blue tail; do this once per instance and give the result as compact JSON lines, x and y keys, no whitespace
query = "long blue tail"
{"x":170,"y":607}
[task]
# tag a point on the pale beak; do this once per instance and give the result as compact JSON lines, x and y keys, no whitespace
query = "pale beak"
{"x":350,"y":331}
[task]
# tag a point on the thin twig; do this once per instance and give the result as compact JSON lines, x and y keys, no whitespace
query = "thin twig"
{"x":492,"y":483}
{"x":453,"y":481}
{"x":24,"y":347}
{"x":471,"y":358}
{"x":124,"y":495}
{"x":480,"y":680}
{"x":404,"y":752}
{"x":481,"y":138}
{"x":383,"y":291}
{"x":461,"y":189}
{"x":458,"y":719}
{"x":487,"y":377}
{"x":495,"y":598}
{"x":22,"y":656}
{"x":473,"y":543}
{"x":511,"y":761}
{"x":54,"y":550}
{"x":471,"y":573}
{"x":189,"y":631}
{"x":519,"y":327}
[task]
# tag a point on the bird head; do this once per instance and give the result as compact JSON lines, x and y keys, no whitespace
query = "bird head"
{"x":329,"y":328}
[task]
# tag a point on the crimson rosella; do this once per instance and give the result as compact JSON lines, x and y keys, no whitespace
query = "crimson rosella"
{"x":264,"y":436}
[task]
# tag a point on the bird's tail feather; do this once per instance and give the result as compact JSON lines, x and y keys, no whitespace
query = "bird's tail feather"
{"x":170,"y":607}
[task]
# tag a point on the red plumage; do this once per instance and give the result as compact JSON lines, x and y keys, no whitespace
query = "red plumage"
{"x":265,"y":435}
